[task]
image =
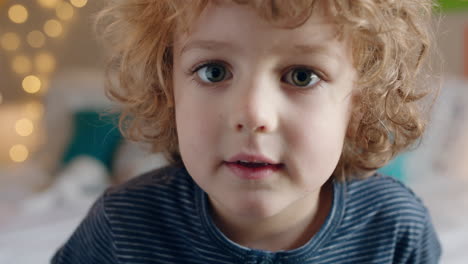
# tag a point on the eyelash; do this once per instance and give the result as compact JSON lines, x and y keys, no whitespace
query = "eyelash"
{"x":193,"y":71}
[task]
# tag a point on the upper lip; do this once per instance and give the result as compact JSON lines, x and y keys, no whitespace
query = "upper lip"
{"x":258,"y":158}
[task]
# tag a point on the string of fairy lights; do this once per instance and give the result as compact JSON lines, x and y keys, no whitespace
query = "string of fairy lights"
{"x":30,"y":56}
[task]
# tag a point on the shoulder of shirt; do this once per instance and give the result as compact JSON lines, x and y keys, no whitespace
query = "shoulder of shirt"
{"x":387,"y":196}
{"x":385,"y":209}
{"x":140,"y":208}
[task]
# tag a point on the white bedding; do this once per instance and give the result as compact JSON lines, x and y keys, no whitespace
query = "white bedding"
{"x":35,"y":238}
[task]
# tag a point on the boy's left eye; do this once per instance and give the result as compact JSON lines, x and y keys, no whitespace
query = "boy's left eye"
{"x":212,"y":72}
{"x":301,"y":77}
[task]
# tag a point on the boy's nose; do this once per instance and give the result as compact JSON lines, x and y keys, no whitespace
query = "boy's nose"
{"x":260,"y":128}
{"x":254,"y":110}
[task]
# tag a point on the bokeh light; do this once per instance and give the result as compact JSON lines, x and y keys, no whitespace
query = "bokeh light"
{"x":48,"y":3}
{"x":21,"y":64}
{"x":10,"y":41}
{"x":19,"y":153}
{"x":64,"y":11}
{"x":24,"y":127}
{"x":18,"y":14}
{"x":36,"y":39}
{"x":53,"y":28}
{"x":45,"y":62}
{"x":31,"y":84}
{"x":79,"y":3}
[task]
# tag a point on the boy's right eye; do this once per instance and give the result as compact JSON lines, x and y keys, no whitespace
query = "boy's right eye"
{"x":212,"y":72}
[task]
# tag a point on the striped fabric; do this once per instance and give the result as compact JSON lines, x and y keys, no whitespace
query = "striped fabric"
{"x":164,"y":217}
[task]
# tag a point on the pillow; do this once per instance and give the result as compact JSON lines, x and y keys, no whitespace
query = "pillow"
{"x":94,"y":135}
{"x":396,"y":167}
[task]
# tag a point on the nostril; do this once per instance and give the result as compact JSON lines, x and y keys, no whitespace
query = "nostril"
{"x":239,"y":127}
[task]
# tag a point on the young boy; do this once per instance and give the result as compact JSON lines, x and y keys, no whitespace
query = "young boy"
{"x":274,"y":116}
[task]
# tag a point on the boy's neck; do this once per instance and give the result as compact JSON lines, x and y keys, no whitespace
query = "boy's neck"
{"x":285,"y":231}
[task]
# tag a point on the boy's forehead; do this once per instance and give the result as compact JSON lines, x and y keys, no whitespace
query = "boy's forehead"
{"x":228,"y":27}
{"x":188,"y":18}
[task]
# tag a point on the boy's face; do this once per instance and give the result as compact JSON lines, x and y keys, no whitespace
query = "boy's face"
{"x":244,"y":87}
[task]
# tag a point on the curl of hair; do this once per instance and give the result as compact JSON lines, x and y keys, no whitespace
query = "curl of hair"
{"x":390,"y":41}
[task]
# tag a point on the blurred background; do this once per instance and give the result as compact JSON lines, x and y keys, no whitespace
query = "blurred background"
{"x":58,"y":152}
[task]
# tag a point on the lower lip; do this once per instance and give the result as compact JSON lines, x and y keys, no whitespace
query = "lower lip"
{"x":252,"y":173}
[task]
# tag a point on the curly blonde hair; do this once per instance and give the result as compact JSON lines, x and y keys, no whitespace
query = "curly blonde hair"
{"x":390,"y":39}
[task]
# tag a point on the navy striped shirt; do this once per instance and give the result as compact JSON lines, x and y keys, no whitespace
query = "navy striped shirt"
{"x":163,"y":217}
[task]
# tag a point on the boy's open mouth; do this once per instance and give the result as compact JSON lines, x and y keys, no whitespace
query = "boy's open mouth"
{"x":253,"y":170}
{"x":253,"y":166}
{"x":256,"y":165}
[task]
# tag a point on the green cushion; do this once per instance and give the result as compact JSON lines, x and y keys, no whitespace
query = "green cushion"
{"x":95,"y":135}
{"x":396,"y":167}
